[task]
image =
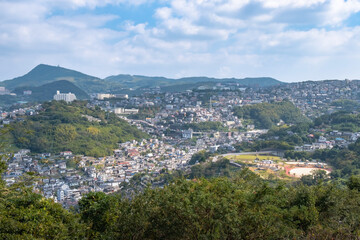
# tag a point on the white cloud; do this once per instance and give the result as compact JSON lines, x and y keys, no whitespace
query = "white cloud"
{"x":232,"y":5}
{"x":291,"y":3}
{"x":222,"y":38}
{"x":19,"y":12}
{"x":164,"y":13}
{"x":338,"y":10}
{"x":92,"y":3}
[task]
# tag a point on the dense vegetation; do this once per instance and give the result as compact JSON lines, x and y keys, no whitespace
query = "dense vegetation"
{"x":62,"y":127}
{"x":346,"y":104}
{"x":220,"y":168}
{"x":263,"y":145}
{"x":205,"y":126}
{"x":266,"y":115}
{"x":27,"y":215}
{"x":7,"y":100}
{"x":244,"y":207}
{"x":341,"y":120}
{"x":199,"y":157}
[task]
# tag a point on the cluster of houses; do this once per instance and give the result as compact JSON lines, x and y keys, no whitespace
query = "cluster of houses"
{"x":315,"y":98}
{"x":329,"y":140}
{"x":66,"y":177}
{"x":7,"y":117}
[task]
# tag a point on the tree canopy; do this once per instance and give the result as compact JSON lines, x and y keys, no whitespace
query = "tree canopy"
{"x":244,"y":207}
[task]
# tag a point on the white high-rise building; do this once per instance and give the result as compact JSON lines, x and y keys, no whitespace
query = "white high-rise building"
{"x":67,"y":97}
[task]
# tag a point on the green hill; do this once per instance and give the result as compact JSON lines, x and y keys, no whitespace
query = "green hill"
{"x":266,"y":115}
{"x":46,"y":92}
{"x":61,"y":127}
{"x":342,"y":121}
{"x":43,"y":74}
{"x":136,"y":81}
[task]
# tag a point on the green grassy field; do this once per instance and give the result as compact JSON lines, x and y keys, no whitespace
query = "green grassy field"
{"x":252,"y":157}
{"x":266,"y":173}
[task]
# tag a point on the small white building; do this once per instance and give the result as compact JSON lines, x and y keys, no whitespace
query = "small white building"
{"x":102,"y":96}
{"x":66,"y":153}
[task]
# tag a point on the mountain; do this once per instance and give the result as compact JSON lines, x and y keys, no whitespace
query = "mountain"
{"x":46,"y":92}
{"x":136,"y":81}
{"x":43,"y":74}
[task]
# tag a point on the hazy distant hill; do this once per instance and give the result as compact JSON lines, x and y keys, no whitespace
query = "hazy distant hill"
{"x":43,"y":74}
{"x":47,"y":91}
{"x":136,"y":81}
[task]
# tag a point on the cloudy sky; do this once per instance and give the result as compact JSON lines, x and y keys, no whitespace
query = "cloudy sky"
{"x":291,"y":40}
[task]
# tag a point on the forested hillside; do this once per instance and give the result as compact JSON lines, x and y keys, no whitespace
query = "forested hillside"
{"x":206,"y":126}
{"x":343,"y":121}
{"x":266,"y":115}
{"x":74,"y":127}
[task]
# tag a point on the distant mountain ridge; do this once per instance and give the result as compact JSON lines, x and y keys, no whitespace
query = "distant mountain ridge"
{"x":143,"y":81}
{"x":44,"y":74}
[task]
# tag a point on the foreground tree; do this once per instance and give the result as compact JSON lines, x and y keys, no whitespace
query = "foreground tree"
{"x":27,"y":215}
{"x":245,"y":207}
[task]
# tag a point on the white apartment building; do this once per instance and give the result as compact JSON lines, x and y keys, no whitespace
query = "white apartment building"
{"x":67,"y":97}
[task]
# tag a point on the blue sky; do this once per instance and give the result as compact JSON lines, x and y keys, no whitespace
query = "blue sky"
{"x":291,"y":40}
